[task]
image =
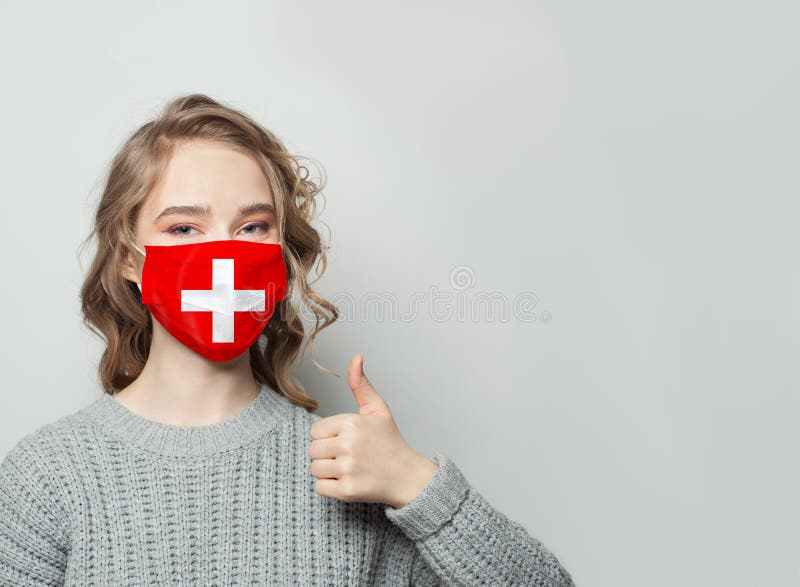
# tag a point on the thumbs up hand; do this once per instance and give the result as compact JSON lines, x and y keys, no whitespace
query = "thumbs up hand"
{"x":363,"y":456}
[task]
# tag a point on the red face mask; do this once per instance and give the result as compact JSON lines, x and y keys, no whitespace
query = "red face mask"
{"x":216,"y":297}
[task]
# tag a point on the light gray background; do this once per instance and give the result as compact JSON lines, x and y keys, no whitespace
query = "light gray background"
{"x":631,"y":164}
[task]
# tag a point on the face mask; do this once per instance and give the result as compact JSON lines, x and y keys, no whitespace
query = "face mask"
{"x":216,"y":297}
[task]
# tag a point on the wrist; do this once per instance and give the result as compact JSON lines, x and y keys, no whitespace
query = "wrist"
{"x":419,"y":474}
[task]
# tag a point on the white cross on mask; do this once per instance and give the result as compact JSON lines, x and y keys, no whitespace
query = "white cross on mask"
{"x":222,"y":300}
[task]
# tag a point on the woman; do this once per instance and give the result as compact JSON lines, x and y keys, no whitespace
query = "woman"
{"x":202,"y":463}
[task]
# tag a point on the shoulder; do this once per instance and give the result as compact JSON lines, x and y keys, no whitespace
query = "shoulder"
{"x":48,"y":445}
{"x":297,"y":416}
{"x":47,"y":453}
{"x":42,"y":442}
{"x":34,"y":472}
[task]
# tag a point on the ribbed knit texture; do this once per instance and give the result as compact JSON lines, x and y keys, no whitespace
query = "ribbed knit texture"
{"x":104,"y":496}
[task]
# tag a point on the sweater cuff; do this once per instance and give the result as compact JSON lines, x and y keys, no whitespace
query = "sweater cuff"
{"x":435,"y":504}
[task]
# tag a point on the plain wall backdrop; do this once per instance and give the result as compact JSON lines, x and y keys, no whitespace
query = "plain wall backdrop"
{"x":629,"y":170}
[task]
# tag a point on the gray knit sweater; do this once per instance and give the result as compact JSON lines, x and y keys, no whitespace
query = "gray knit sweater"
{"x":103,"y":496}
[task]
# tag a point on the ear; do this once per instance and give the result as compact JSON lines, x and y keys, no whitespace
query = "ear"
{"x":130,"y":267}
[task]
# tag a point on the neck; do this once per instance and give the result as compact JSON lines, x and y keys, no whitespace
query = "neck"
{"x":177,"y":386}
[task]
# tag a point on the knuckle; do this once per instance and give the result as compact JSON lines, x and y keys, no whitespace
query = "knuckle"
{"x":346,"y":446}
{"x":347,"y":491}
{"x":346,"y":465}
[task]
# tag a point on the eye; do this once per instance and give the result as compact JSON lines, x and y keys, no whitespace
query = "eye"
{"x":180,"y":229}
{"x":255,"y":227}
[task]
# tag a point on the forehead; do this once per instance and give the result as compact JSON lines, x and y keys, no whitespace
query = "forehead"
{"x":210,"y":173}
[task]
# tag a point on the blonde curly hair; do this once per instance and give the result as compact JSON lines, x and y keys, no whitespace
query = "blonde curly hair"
{"x":111,"y":305}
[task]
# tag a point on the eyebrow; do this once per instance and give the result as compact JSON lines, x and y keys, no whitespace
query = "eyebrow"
{"x":197,"y":210}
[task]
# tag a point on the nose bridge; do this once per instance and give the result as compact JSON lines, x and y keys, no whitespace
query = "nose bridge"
{"x":220,"y":229}
{"x":218,"y":225}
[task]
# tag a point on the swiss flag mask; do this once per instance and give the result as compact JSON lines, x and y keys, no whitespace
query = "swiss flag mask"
{"x":216,"y":297}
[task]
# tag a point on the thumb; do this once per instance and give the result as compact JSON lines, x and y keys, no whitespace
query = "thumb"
{"x":368,"y":400}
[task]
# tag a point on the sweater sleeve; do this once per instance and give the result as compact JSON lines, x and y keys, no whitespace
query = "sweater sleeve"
{"x":33,"y":541}
{"x":461,"y":539}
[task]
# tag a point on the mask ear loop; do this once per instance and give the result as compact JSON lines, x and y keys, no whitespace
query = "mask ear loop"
{"x":144,"y":255}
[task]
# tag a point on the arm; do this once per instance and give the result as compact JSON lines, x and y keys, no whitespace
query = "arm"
{"x":462,"y":540}
{"x":33,"y":541}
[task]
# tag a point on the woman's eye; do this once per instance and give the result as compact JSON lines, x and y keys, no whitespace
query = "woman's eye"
{"x":180,"y":229}
{"x":186,"y":229}
{"x":255,"y":227}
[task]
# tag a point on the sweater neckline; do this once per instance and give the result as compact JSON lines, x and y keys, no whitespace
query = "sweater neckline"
{"x":260,"y":416}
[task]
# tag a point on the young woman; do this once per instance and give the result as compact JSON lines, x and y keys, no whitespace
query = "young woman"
{"x":202,"y":462}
